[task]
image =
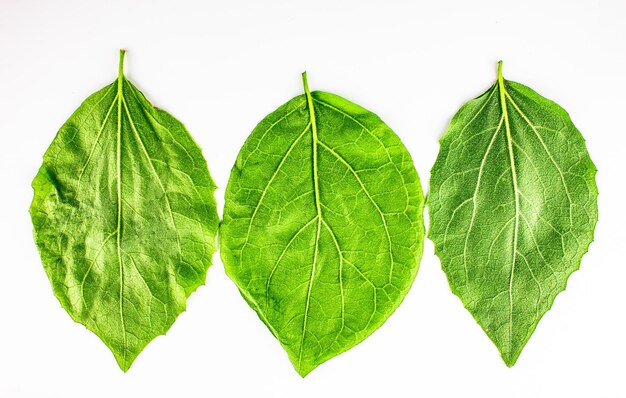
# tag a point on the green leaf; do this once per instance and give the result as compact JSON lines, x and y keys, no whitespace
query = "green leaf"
{"x":125,"y":218}
{"x":323,"y":227}
{"x":513,"y":206}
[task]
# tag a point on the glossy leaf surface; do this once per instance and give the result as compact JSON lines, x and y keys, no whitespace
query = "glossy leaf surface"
{"x":513,"y":206}
{"x":125,"y":218}
{"x":323,"y":227}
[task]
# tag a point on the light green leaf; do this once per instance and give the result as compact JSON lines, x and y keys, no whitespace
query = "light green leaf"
{"x":125,"y":218}
{"x":323,"y":227}
{"x":513,"y":206}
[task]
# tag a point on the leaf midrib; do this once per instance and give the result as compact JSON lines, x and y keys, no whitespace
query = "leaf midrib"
{"x":120,"y":95}
{"x":509,"y":140}
{"x":318,"y":209}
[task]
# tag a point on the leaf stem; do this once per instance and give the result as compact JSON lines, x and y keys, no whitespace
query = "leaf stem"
{"x":305,"y":82}
{"x":120,"y":73}
{"x":500,"y":78}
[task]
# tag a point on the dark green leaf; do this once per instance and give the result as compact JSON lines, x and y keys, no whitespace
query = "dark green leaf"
{"x":125,"y":218}
{"x":323,"y":227}
{"x":512,"y":209}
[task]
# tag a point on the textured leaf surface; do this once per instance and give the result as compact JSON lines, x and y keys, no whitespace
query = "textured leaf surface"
{"x":125,"y":218}
{"x":512,"y":209}
{"x":323,"y":227}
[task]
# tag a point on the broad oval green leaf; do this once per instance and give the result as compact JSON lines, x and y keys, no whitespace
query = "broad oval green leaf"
{"x":125,"y":218}
{"x":513,"y":206}
{"x":323,"y":227}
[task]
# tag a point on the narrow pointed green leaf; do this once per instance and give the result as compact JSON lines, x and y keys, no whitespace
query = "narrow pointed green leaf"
{"x":323,"y":227}
{"x":125,"y":218}
{"x":513,"y":206}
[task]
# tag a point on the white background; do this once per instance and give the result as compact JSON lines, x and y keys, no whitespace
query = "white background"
{"x":220,"y":67}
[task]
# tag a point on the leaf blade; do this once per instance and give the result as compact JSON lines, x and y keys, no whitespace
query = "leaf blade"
{"x":322,"y":160}
{"x":520,"y":208}
{"x":121,"y":201}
